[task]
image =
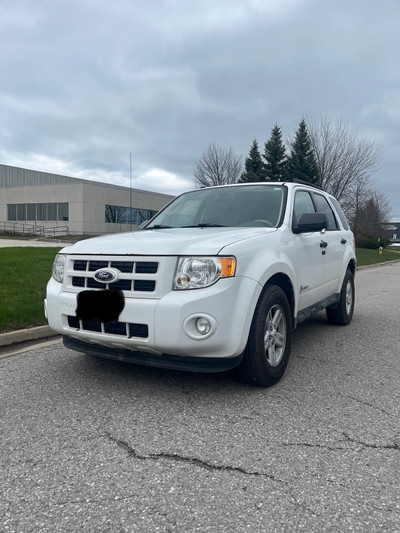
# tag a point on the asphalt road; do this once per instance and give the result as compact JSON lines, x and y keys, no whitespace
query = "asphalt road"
{"x":90,"y":445}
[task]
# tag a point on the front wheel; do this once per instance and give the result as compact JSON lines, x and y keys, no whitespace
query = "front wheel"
{"x":268,"y":347}
{"x":342,"y":312}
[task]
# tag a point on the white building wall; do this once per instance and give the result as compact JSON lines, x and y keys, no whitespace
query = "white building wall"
{"x":86,"y":200}
{"x":96,"y":196}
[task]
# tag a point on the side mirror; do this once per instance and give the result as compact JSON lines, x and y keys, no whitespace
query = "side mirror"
{"x":310,"y":222}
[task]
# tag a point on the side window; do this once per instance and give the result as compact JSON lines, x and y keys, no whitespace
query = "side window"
{"x":302,"y":204}
{"x":324,"y":207}
{"x":339,"y":211}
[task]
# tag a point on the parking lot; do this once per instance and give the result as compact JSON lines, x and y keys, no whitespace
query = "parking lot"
{"x":93,"y":445}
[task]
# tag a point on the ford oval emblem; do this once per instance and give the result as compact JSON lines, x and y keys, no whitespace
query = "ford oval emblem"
{"x":105,"y":275}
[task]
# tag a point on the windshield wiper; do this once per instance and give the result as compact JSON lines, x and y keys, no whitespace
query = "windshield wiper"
{"x":205,"y":225}
{"x":158,"y":226}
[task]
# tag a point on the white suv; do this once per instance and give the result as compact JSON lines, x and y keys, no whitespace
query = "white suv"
{"x":218,"y":279}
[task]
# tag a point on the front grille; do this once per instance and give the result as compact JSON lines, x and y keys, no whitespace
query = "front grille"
{"x":78,"y":282}
{"x":123,"y":284}
{"x":124,"y":266}
{"x":80,"y":265}
{"x":139,"y":267}
{"x":95,"y":265}
{"x":124,"y":329}
{"x":90,"y":283}
{"x":146,"y":267}
{"x":144,"y":285}
{"x":130,"y":280}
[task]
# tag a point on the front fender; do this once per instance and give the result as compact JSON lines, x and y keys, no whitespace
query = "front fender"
{"x":264,"y":259}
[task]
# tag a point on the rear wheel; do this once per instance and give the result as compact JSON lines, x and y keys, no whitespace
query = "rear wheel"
{"x":268,"y":347}
{"x":342,"y":312}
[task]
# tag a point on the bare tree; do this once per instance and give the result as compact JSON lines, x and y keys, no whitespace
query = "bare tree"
{"x":217,"y":166}
{"x":355,"y":201}
{"x":346,"y":162}
{"x":384,"y":208}
{"x":367,"y":210}
{"x":371,"y":218}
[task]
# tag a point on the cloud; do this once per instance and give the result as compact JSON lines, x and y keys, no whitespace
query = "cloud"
{"x":156,"y":179}
{"x":151,"y":179}
{"x":39,"y":162}
{"x":83,"y":84}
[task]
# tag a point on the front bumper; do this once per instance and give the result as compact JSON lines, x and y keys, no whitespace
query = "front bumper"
{"x":171,"y":362}
{"x":229,"y":304}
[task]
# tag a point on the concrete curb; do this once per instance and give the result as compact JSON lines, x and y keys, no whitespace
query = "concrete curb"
{"x":24,"y":335}
{"x":375,"y":265}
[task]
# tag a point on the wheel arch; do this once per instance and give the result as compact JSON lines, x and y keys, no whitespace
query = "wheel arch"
{"x":352,"y":266}
{"x":284,"y":282}
{"x":258,"y":366}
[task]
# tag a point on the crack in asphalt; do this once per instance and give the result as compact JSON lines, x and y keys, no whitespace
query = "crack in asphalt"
{"x":310,"y":445}
{"x":190,"y":460}
{"x":393,"y":446}
{"x":362,"y":402}
{"x":347,"y":438}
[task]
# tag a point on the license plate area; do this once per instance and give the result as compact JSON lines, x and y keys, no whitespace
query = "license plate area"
{"x":104,"y":305}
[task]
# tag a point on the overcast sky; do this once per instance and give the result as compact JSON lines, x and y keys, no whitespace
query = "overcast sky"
{"x":84,"y":83}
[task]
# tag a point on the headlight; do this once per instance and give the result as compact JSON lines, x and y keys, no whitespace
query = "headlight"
{"x":58,"y":267}
{"x":199,"y":272}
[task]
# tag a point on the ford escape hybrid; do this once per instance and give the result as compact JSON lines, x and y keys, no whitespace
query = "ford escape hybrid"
{"x":218,"y":279}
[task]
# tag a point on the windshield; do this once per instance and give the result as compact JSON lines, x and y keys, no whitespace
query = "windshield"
{"x":247,"y":206}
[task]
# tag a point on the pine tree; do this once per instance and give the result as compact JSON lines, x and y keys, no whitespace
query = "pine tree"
{"x":301,"y":162}
{"x":275,"y":156}
{"x":254,"y":167}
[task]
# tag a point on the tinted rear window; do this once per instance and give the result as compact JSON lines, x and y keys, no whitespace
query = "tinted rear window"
{"x":340,"y":213}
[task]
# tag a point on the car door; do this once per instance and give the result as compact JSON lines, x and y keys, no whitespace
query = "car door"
{"x":334,"y":246}
{"x":309,"y":256}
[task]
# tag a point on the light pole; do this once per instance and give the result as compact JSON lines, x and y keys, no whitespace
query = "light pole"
{"x":130,"y":191}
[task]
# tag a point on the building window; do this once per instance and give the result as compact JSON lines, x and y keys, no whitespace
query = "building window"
{"x":127,"y":215}
{"x":11,"y":212}
{"x":38,"y":212}
{"x":63,"y":211}
{"x":41,"y":212}
{"x":30,"y":211}
{"x":51,"y":212}
{"x":21,"y":211}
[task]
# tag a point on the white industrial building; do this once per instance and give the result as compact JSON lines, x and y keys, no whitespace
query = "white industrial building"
{"x":43,"y":203}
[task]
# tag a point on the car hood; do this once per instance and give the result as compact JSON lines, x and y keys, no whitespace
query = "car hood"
{"x":174,"y":241}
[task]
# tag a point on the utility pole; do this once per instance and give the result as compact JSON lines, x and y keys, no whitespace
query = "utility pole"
{"x":130,"y":191}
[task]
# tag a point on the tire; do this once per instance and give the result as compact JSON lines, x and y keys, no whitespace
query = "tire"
{"x":266,"y":356}
{"x":342,"y":312}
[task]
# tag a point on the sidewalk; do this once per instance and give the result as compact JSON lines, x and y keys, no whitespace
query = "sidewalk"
{"x":8,"y":243}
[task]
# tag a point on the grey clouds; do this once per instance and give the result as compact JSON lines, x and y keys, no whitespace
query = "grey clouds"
{"x":84,"y":83}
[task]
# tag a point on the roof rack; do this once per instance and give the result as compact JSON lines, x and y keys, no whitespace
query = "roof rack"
{"x":303,"y":182}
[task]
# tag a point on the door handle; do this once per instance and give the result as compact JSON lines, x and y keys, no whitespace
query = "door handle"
{"x":343,"y":241}
{"x":323,"y":244}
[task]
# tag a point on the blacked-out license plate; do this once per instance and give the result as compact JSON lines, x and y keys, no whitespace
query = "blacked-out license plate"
{"x":104,"y":305}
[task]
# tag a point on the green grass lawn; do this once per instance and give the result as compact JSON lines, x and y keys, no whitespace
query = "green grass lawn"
{"x":371,"y":257}
{"x":24,"y":273}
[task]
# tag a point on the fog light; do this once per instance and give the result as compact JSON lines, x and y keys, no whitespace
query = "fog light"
{"x":203,"y":326}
